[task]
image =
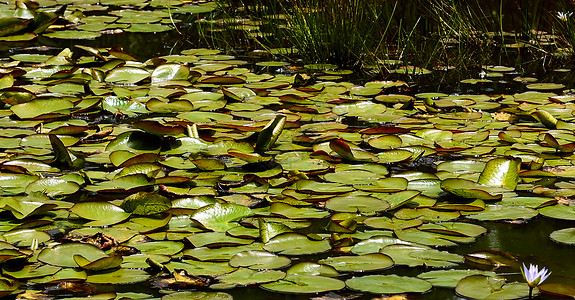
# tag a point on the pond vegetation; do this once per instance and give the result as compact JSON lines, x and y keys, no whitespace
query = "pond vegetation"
{"x":286,"y":149}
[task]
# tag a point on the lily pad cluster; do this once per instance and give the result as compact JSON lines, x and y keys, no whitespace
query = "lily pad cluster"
{"x":193,"y":171}
{"x":22,"y":21}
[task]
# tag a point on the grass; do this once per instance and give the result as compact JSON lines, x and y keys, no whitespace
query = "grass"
{"x":359,"y":33}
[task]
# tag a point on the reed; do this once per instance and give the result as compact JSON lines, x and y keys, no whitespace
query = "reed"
{"x":356,"y":33}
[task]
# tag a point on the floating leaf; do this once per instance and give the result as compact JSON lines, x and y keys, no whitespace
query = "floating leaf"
{"x":259,"y":260}
{"x":487,"y":287}
{"x":305,"y":284}
{"x":502,"y":172}
{"x":296,"y":244}
{"x":120,"y":276}
{"x":564,"y":236}
{"x":388,"y":284}
{"x":221,"y":217}
{"x":63,"y":255}
{"x":499,"y":212}
{"x":36,"y":108}
{"x":146,"y":203}
{"x":270,"y":133}
{"x":450,"y":278}
{"x":103,"y":213}
{"x":360,"y":263}
{"x":357,"y":204}
{"x":244,"y":276}
{"x":127,"y":75}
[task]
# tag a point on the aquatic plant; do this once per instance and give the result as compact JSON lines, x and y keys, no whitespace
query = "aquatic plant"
{"x":534,"y":276}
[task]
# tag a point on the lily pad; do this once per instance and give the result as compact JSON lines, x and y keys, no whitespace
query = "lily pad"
{"x":360,"y":263}
{"x":499,"y":212}
{"x":259,"y":260}
{"x":120,"y":276}
{"x":488,"y":287}
{"x":63,"y":255}
{"x":450,"y":278}
{"x":296,"y":244}
{"x":388,"y":284}
{"x":358,"y":204}
{"x":564,"y":236}
{"x":102,"y":213}
{"x":305,"y":284}
{"x":221,"y":217}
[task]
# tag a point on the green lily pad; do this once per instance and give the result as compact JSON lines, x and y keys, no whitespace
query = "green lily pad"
{"x":391,"y":224}
{"x":221,"y":217}
{"x":426,"y":215}
{"x":199,"y":295}
{"x":244,"y":276}
{"x":360,"y":263}
{"x":25,"y":237}
{"x":36,"y":108}
{"x":53,"y":187}
{"x":291,"y":212}
{"x":104,"y":263}
{"x":160,"y":247}
{"x":22,"y":207}
{"x":455,"y":228}
{"x":487,"y":287}
{"x":216,"y":239}
{"x":120,"y":276}
{"x":114,"y":104}
{"x":63,"y":255}
{"x":418,"y":255}
{"x":422,"y":237}
{"x":564,"y":236}
{"x":388,"y":284}
{"x":557,"y":289}
{"x":499,"y":212}
{"x":169,"y":72}
{"x":259,"y":260}
{"x":33,"y":271}
{"x":470,"y":189}
{"x":73,"y":35}
{"x":146,"y":203}
{"x":562,"y":212}
{"x":127,"y":75}
{"x":296,"y":244}
{"x":450,"y":278}
{"x":200,"y":268}
{"x":219,"y":254}
{"x":102,"y":213}
{"x":304,"y":284}
{"x":357,"y":204}
{"x":492,"y":258}
{"x":502,"y":172}
{"x":318,"y":188}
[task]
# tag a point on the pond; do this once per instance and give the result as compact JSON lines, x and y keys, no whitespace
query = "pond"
{"x":143,"y":162}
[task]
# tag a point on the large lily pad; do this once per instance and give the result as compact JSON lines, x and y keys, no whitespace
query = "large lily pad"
{"x":63,"y":255}
{"x":102,"y":213}
{"x":361,"y":263}
{"x":259,"y":260}
{"x":221,"y":217}
{"x":296,"y":244}
{"x":305,"y":284}
{"x":488,"y":287}
{"x":388,"y":284}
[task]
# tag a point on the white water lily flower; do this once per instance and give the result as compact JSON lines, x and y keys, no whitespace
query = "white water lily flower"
{"x":533,"y":276}
{"x":564,"y":15}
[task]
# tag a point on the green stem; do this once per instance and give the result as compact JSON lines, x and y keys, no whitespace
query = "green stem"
{"x":530,"y":293}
